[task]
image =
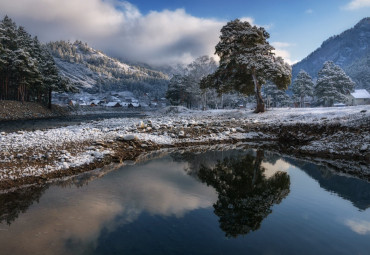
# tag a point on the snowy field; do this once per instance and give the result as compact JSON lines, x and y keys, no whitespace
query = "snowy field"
{"x":72,"y":146}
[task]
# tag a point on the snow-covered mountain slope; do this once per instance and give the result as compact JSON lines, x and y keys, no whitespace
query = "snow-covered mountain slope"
{"x":93,"y":70}
{"x":350,"y":50}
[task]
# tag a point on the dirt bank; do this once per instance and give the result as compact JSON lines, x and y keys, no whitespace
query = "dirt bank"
{"x":15,"y":110}
{"x":38,"y":156}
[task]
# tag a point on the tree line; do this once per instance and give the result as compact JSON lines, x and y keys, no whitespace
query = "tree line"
{"x":27,"y":69}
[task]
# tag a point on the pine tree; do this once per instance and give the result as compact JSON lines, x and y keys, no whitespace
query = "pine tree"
{"x":177,"y":92}
{"x":303,"y":86}
{"x":8,"y":41}
{"x":276,"y":97}
{"x":247,"y":61}
{"x":27,"y":70}
{"x":332,"y":84}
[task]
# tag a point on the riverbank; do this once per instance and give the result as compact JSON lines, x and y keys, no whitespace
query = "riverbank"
{"x":335,"y":134}
{"x":16,"y":110}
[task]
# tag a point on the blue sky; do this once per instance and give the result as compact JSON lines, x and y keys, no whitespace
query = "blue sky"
{"x":173,"y":31}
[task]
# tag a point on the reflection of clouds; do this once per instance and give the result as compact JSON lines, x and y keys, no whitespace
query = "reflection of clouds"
{"x":76,"y":216}
{"x":279,"y":166}
{"x":361,"y":227}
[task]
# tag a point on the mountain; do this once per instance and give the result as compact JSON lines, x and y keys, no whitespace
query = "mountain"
{"x":93,"y":71}
{"x":350,"y":50}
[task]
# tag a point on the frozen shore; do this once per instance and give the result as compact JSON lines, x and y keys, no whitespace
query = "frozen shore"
{"x":332,"y":133}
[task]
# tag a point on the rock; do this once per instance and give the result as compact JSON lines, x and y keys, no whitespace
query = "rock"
{"x":364,"y":148}
{"x":181,"y":133}
{"x":141,"y":125}
{"x":130,"y":138}
{"x":143,"y":145}
{"x":148,"y":129}
{"x":233,"y":130}
{"x":239,"y":129}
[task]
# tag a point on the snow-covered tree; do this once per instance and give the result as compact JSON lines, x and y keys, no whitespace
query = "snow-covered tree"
{"x":274,"y":96}
{"x":25,"y":66}
{"x":332,"y":84}
{"x":184,"y":89}
{"x":303,"y":86}
{"x":177,"y":92}
{"x":197,"y":70}
{"x":247,"y":61}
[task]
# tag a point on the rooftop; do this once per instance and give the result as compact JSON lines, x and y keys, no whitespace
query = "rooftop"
{"x":361,"y":93}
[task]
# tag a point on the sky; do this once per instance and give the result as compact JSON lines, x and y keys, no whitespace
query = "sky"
{"x":172,"y":31}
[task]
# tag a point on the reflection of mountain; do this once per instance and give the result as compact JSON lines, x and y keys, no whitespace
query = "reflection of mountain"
{"x":355,"y":190}
{"x":245,"y":195}
{"x":14,"y":203}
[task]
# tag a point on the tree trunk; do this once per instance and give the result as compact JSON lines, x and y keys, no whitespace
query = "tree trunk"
{"x":49,"y":104}
{"x":257,"y":89}
{"x":257,"y":165}
{"x":301,"y":101}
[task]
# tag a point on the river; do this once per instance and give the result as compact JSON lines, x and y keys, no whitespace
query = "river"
{"x":215,"y":201}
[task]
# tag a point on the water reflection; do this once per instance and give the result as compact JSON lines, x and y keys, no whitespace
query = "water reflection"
{"x":356,"y":190}
{"x":74,"y":217}
{"x":148,"y":200}
{"x":14,"y":203}
{"x":245,"y":194}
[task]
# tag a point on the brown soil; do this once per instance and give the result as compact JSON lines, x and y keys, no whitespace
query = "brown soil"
{"x":15,"y":110}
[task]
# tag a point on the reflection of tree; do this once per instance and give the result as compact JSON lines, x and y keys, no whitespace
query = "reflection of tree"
{"x":245,"y":195}
{"x":14,"y":203}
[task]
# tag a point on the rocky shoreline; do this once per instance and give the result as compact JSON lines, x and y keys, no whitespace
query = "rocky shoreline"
{"x":39,"y":156}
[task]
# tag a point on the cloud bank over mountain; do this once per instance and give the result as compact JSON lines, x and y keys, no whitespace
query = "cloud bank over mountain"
{"x":120,"y":29}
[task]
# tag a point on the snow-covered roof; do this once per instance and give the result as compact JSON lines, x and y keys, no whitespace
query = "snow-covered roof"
{"x":111,"y":104}
{"x":360,"y":93}
{"x":95,"y":102}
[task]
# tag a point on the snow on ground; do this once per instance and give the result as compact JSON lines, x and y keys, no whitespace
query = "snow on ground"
{"x":293,"y":115}
{"x":71,"y":145}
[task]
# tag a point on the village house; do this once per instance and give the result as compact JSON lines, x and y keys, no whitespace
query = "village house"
{"x":359,"y":97}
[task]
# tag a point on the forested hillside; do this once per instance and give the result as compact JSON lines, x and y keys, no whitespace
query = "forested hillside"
{"x":93,"y":71}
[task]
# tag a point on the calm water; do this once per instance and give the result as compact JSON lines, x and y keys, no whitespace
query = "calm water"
{"x":214,"y":202}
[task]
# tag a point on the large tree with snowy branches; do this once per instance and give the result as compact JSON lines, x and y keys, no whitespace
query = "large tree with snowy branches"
{"x":247,"y":61}
{"x":333,"y":84}
{"x":303,"y":86}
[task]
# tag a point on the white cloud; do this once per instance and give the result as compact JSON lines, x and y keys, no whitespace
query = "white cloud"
{"x":360,"y":227}
{"x":357,"y":4}
{"x":282,"y":51}
{"x":118,"y":28}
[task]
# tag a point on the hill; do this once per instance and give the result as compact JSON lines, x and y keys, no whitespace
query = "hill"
{"x":93,"y":71}
{"x":350,"y":50}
